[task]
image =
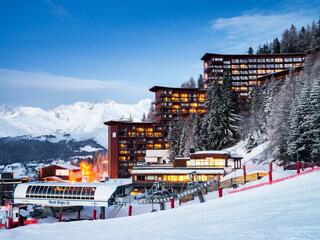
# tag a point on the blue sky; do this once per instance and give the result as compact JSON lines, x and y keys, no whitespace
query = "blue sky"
{"x":60,"y":51}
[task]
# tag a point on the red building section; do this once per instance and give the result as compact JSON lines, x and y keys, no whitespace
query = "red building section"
{"x":60,"y":173}
{"x":128,"y":142}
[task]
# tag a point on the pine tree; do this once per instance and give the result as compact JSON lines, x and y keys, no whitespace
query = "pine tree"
{"x":257,"y":118}
{"x":173,"y":138}
{"x":196,"y":133}
{"x":276,"y":46}
{"x":250,"y":51}
{"x":200,"y":82}
{"x":303,"y":140}
{"x":185,"y":140}
{"x":278,"y":121}
{"x":219,"y":126}
{"x":189,"y":84}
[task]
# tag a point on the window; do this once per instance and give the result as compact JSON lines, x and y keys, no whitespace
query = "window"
{"x":261,"y":71}
{"x":252,"y":65}
{"x":150,"y":178}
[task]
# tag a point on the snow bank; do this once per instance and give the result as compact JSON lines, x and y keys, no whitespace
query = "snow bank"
{"x":288,"y":210}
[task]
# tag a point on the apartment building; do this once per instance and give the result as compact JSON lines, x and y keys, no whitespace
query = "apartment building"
{"x":172,"y":102}
{"x":128,"y":142}
{"x":243,"y":70}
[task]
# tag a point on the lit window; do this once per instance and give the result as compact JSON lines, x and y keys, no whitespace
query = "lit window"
{"x":193,"y":104}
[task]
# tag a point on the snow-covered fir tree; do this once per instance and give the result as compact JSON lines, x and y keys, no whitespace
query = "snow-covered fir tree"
{"x":219,"y":125}
{"x":185,"y":142}
{"x":304,"y":134}
{"x":174,"y":136}
{"x":278,"y":121}
{"x":189,"y":84}
{"x":196,"y":133}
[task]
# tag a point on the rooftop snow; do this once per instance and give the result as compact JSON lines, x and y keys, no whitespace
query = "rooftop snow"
{"x":177,"y":171}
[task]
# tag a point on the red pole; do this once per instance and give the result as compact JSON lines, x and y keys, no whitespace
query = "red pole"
{"x":244,"y":174}
{"x":219,"y":192}
{"x":270,"y":172}
{"x":298,"y":167}
{"x":79,"y":216}
{"x":172,"y":202}
{"x":60,"y":216}
{"x":9,"y":223}
{"x":130,"y":210}
{"x":94,"y":214}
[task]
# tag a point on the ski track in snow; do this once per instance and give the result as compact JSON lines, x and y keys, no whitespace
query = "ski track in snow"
{"x":288,"y":210}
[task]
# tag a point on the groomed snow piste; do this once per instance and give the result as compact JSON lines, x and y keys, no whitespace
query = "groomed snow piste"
{"x":287,"y":210}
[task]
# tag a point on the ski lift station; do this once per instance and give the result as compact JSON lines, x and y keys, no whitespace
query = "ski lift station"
{"x":66,"y":194}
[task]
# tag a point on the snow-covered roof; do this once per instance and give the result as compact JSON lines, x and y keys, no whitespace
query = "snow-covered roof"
{"x":182,"y":158}
{"x":212,"y":152}
{"x":176,"y":171}
{"x":68,"y":166}
{"x":101,"y":193}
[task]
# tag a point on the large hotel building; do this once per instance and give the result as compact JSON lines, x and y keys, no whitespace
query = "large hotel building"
{"x":243,"y":70}
{"x":172,"y":102}
{"x":129,"y":141}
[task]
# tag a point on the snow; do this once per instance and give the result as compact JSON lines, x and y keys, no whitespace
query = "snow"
{"x":89,"y":148}
{"x":287,"y":210}
{"x":177,"y":171}
{"x":83,"y":120}
{"x":211,"y":152}
{"x":68,"y":166}
{"x":18,"y":169}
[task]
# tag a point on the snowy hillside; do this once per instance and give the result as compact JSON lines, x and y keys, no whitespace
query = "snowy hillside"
{"x":82,"y":120}
{"x":287,"y":210}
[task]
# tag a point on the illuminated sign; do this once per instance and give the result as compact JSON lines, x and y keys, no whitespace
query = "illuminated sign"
{"x":62,"y":172}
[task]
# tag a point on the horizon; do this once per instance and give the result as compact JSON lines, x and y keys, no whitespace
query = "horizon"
{"x":62,"y":52}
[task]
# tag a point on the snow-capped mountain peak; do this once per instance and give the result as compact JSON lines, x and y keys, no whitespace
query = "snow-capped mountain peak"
{"x":82,"y":120}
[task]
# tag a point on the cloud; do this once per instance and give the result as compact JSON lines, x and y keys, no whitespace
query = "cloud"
{"x":236,"y":34}
{"x":59,"y":11}
{"x":62,"y":83}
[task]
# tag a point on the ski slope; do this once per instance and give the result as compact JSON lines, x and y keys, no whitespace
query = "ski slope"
{"x":287,"y":210}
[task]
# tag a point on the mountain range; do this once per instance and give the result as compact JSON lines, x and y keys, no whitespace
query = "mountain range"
{"x":66,"y":132}
{"x":81,"y":120}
